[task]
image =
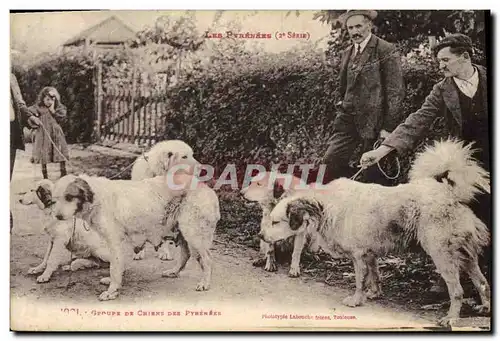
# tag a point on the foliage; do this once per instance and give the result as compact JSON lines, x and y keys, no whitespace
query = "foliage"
{"x":412,"y":27}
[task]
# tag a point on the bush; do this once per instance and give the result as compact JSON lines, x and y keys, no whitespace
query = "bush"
{"x":266,"y":109}
{"x":72,"y":74}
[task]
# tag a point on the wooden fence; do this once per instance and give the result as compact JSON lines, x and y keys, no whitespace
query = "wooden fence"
{"x":129,"y":112}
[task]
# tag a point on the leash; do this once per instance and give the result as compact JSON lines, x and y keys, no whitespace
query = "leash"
{"x":375,"y":146}
{"x":68,"y":283}
{"x":143,"y":154}
{"x":130,"y":165}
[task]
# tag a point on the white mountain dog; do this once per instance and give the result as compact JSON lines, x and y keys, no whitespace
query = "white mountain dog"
{"x":138,"y":212}
{"x":368,"y":220}
{"x":72,"y":245}
{"x":157,"y":161}
{"x":267,"y":190}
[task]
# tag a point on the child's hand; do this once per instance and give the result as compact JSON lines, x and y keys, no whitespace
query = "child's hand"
{"x":34,"y":121}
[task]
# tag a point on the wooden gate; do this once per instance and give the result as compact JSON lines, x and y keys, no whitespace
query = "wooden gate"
{"x":131,"y":112}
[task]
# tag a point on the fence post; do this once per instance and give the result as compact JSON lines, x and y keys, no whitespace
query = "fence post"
{"x":98,"y":102}
{"x":132,"y":106}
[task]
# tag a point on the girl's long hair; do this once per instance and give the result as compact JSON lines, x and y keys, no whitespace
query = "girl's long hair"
{"x":45,"y":91}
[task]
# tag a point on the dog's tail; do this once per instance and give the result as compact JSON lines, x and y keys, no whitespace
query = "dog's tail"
{"x":450,"y":161}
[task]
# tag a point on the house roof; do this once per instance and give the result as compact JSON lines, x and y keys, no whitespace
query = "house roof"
{"x":111,"y":30}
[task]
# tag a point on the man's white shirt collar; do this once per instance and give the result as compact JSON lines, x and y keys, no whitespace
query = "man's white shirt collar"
{"x":362,"y":44}
{"x":468,"y":86}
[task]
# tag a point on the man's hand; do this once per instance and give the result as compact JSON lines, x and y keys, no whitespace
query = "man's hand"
{"x":373,"y":156}
{"x":34,"y":121}
{"x":384,"y":133}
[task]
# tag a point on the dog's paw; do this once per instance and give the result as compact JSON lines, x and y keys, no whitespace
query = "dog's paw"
{"x":271,"y":266}
{"x":107,"y":295}
{"x":482,"y":309}
{"x":202,"y":286}
{"x":43,"y":278}
{"x":259,"y":262}
{"x":294,"y":272}
{"x":35,"y":270}
{"x":66,"y":267}
{"x":105,"y":281}
{"x":353,"y":301}
{"x":170,"y":274}
{"x":446,"y":321}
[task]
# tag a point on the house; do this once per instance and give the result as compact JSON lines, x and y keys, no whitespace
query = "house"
{"x":110,"y":33}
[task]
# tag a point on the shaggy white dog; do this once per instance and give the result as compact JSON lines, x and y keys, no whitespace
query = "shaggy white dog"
{"x":267,"y":190}
{"x":135,"y":211}
{"x":162,"y":157}
{"x":71,"y":244}
{"x":367,"y":220}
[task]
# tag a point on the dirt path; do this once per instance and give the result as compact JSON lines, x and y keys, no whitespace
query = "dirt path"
{"x":246,"y":297}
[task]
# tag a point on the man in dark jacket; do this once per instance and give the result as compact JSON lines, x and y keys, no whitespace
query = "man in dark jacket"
{"x":19,"y":117}
{"x":372,"y":88}
{"x":461,"y":98}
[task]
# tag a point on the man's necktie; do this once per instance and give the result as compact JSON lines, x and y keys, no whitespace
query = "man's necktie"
{"x":355,"y":60}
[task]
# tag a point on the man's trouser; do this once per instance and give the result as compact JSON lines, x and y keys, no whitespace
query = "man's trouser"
{"x":343,"y":144}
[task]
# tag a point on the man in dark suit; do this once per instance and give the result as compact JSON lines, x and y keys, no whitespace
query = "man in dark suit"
{"x":461,"y":98}
{"x":372,"y":88}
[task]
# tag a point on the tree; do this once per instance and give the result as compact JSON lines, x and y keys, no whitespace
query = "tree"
{"x":414,"y":26}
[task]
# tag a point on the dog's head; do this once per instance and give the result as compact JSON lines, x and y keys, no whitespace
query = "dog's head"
{"x":167,"y":154}
{"x":71,"y":196}
{"x":291,"y":216}
{"x":266,"y":187}
{"x":41,"y":195}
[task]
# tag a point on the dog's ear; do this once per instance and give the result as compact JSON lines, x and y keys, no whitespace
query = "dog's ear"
{"x":44,"y":195}
{"x":278,"y":189}
{"x":80,"y":190}
{"x":301,"y":210}
{"x":296,"y":214}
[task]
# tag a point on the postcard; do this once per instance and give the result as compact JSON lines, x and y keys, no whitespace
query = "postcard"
{"x":323,"y":170}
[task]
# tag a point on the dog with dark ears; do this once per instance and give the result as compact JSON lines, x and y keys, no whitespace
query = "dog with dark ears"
{"x":71,"y":244}
{"x":267,"y":192}
{"x":368,"y":220}
{"x":135,"y":212}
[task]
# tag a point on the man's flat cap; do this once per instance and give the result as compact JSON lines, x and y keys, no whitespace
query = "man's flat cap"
{"x":454,"y":40}
{"x":370,"y":14}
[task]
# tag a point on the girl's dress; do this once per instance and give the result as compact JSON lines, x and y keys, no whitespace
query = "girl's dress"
{"x":43,"y":150}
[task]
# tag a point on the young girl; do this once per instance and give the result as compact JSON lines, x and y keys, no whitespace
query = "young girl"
{"x":52,"y":113}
